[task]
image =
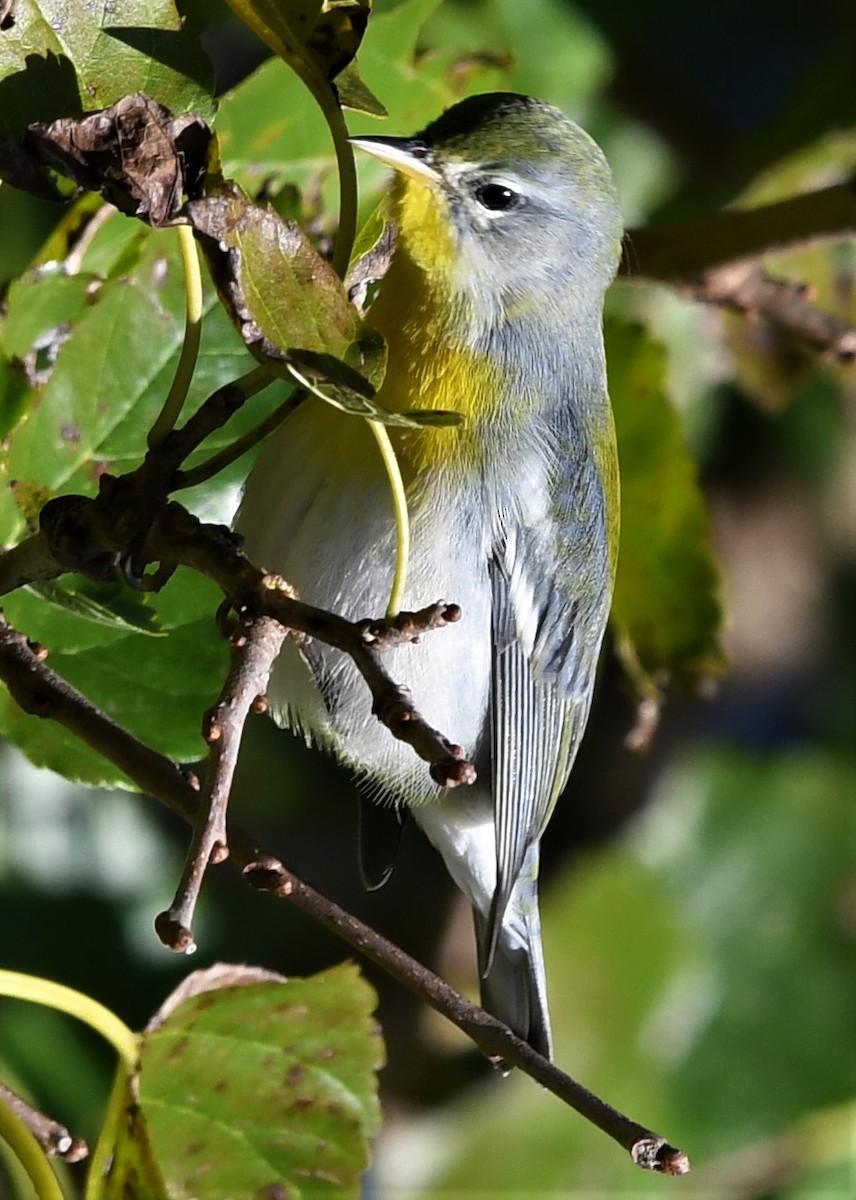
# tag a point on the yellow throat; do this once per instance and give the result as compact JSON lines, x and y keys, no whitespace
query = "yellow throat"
{"x":422,"y":313}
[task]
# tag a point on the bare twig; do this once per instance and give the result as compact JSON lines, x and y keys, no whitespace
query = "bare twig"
{"x":89,"y":536}
{"x":391,"y":702}
{"x":27,"y":676}
{"x":53,"y":1138}
{"x":43,"y":693}
{"x":176,"y":536}
{"x":746,"y":288}
{"x":717,"y":259}
{"x":254,"y":648}
{"x":494,"y":1039}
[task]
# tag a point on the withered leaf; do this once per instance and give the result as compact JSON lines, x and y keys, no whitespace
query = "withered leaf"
{"x":136,"y":153}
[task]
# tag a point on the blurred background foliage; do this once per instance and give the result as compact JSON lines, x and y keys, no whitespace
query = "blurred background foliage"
{"x":700,"y":901}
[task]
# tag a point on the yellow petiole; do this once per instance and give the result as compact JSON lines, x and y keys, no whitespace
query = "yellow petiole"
{"x":402,"y":518}
{"x":192,"y":334}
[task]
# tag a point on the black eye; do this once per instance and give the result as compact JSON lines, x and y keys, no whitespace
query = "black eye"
{"x":496,"y":197}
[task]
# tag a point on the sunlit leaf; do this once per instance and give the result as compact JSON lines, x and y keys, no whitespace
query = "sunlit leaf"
{"x":281,"y":294}
{"x":92,"y":413}
{"x":62,"y":60}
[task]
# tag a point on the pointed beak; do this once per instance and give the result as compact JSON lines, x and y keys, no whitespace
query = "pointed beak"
{"x":407,"y":155}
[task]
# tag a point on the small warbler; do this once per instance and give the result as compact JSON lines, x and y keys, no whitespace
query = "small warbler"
{"x":508,"y":234}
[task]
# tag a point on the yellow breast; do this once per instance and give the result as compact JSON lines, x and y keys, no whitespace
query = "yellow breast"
{"x":422,"y":313}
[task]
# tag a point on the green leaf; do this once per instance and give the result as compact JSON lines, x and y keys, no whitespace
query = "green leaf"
{"x":123,"y":614}
{"x":97,"y":239}
{"x":155,"y":687}
{"x":265,"y":1088}
{"x":62,"y":60}
{"x":666,"y":612}
{"x":92,"y":410}
{"x":291,"y":308}
{"x":286,"y":301}
{"x":14,"y":393}
{"x":42,"y":302}
{"x":545,"y":48}
{"x":90,"y":414}
{"x":268,"y":133}
{"x":354,"y":94}
{"x":387,"y":64}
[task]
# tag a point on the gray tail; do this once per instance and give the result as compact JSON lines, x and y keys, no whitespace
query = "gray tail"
{"x":514,"y":987}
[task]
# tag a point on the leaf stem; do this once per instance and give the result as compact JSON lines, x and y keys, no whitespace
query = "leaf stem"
{"x":65,"y":999}
{"x":224,"y":458}
{"x":347,"y":230}
{"x":30,"y":1155}
{"x":399,"y":499}
{"x":325,"y":97}
{"x":192,"y":334}
{"x":107,"y":1139}
{"x":402,"y":518}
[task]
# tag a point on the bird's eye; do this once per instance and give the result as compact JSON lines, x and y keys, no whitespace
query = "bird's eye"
{"x":496,"y":197}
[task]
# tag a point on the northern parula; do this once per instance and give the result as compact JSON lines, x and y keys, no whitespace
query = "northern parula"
{"x":508,"y":234}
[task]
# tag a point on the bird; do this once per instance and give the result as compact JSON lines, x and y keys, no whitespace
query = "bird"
{"x":508,"y":234}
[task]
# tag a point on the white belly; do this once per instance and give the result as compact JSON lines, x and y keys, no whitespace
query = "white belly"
{"x":317,"y":510}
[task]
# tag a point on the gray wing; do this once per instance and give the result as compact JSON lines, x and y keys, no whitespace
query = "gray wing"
{"x":551,"y":583}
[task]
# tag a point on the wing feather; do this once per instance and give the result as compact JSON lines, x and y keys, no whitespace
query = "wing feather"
{"x":551,"y":585}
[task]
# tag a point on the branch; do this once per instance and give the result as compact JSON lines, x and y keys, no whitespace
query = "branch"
{"x":53,"y":1138}
{"x":42,"y":693}
{"x":254,"y":648}
{"x":37,"y":688}
{"x":92,"y":536}
{"x":494,"y":1039}
{"x":745,"y":288}
{"x":680,"y":252}
{"x":212,"y":550}
{"x":717,"y":259}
